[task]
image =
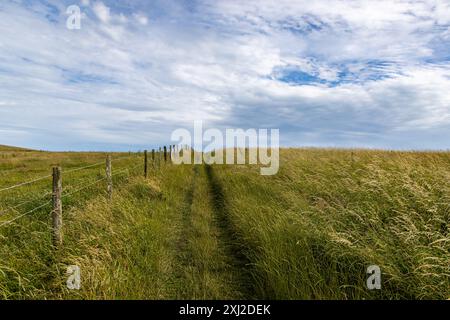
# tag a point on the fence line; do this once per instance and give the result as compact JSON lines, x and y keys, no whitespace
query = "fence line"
{"x":42,"y":196}
{"x":48,"y":176}
{"x":83,"y":188}
{"x":82,"y":168}
{"x":124,"y":170}
{"x":58,"y":196}
{"x":26,"y":213}
{"x":94,"y":182}
{"x":62,"y":197}
{"x":66,"y":172}
{"x":82,"y":183}
{"x":25,"y":183}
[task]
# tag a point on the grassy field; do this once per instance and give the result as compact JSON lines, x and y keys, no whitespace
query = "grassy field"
{"x":226,"y":232}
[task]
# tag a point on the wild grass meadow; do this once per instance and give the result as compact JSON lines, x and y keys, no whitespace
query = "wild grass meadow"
{"x":225,"y":231}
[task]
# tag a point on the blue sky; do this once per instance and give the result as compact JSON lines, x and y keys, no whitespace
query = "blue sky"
{"x":335,"y":73}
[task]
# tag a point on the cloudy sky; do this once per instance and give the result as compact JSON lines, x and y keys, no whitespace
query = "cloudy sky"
{"x":326,"y":73}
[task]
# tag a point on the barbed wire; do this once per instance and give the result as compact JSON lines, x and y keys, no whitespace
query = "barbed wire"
{"x":82,"y":168}
{"x":97,"y":181}
{"x":42,"y":196}
{"x":83,"y":188}
{"x":82,"y":183}
{"x":25,"y":183}
{"x":26,"y":213}
{"x":126,"y":169}
{"x":68,"y":171}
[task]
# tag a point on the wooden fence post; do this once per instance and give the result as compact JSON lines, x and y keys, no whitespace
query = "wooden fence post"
{"x":145,"y":163}
{"x":57,"y":207}
{"x":109,"y":176}
{"x":153,"y":158}
{"x":159,"y":158}
{"x":165,"y":154}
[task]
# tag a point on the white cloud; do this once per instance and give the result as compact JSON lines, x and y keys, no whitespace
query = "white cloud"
{"x":126,"y":81}
{"x":442,"y":12}
{"x":141,"y":18}
{"x":102,"y":11}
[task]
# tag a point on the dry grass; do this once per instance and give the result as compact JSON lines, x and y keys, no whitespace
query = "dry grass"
{"x":227,"y":232}
{"x":312,"y":230}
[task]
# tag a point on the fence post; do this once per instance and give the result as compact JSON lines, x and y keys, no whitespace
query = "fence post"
{"x":165,"y":154}
{"x":159,"y":158}
{"x":109,"y":176}
{"x":153,"y":158}
{"x":145,"y":163}
{"x":57,"y":207}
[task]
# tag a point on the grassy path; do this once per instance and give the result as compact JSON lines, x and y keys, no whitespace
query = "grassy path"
{"x":210,"y":268}
{"x":233,"y":245}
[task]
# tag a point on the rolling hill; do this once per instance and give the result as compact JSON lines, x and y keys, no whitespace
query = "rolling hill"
{"x":226,"y":232}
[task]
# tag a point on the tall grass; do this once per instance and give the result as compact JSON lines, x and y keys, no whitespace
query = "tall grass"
{"x":226,"y":232}
{"x":312,"y":230}
{"x":28,"y":263}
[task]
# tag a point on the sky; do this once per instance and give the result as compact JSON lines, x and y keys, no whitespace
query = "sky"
{"x":334,"y":73}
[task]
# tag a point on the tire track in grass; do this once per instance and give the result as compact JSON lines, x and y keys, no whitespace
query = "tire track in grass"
{"x":182,"y":245}
{"x":205,"y":267}
{"x":232,"y":243}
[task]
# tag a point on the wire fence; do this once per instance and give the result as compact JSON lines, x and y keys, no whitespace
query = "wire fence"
{"x":25,"y":183}
{"x":84,"y":168}
{"x":42,"y":196}
{"x":25,"y":214}
{"x":86,"y":186}
{"x":57,"y":194}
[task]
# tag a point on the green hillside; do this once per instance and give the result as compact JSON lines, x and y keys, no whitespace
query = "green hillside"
{"x":10,"y":148}
{"x":226,"y":232}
